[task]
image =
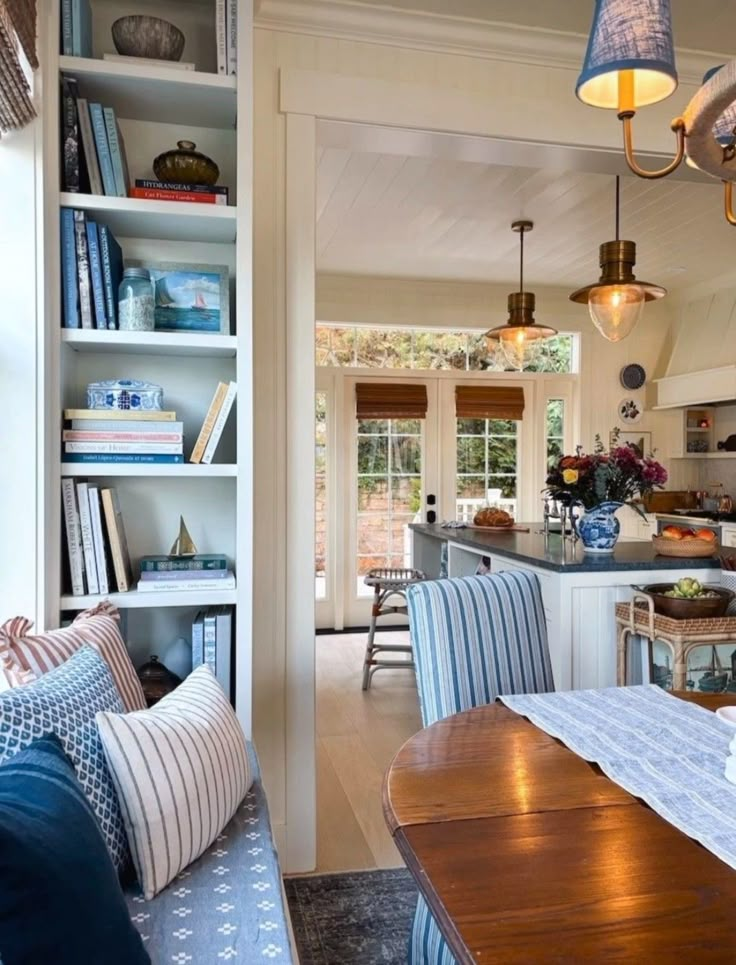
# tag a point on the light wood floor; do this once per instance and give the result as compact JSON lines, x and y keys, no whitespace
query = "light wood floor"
{"x":357,"y":736}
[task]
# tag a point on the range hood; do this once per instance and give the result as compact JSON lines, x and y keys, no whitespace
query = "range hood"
{"x":706,"y":387}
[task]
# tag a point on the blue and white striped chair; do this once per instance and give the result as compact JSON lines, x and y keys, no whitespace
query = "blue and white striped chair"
{"x":474,"y":639}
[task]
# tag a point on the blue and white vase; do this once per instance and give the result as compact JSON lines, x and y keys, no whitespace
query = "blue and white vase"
{"x":599,"y":528}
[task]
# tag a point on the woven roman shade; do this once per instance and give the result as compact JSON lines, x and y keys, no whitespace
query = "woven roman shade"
{"x":390,"y":400}
{"x":489,"y":402}
{"x":17,"y":28}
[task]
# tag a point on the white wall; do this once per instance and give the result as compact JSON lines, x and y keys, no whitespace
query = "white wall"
{"x":704,"y":332}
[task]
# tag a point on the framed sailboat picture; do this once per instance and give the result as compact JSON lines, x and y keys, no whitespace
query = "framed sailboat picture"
{"x":190,"y":298}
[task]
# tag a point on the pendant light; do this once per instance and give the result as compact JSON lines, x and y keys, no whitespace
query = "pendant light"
{"x":518,"y":341}
{"x":616,"y":300}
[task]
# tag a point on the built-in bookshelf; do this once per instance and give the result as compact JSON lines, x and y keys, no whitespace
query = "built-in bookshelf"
{"x":156,"y":106}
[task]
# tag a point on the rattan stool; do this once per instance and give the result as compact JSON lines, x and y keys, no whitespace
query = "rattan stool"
{"x":387,"y":583}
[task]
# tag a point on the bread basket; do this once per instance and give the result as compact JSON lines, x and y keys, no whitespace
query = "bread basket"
{"x":684,"y":548}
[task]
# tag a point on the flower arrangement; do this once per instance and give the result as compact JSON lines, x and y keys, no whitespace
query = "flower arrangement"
{"x":620,"y":474}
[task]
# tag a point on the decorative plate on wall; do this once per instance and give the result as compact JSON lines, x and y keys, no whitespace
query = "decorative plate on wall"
{"x":629,"y":411}
{"x":633,"y":376}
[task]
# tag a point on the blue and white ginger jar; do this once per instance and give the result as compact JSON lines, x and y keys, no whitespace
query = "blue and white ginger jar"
{"x":128,"y":394}
{"x":599,"y":528}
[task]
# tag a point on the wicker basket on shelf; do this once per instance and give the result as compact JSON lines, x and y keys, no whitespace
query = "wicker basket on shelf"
{"x":685,"y":548}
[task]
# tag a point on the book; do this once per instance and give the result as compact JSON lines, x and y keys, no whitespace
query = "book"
{"x":231,"y":28}
{"x":98,"y":538}
{"x":81,"y":28}
{"x":223,"y":647}
{"x":83,"y":280}
{"x":221,"y":36}
{"x":121,"y":415}
{"x":213,"y":577}
{"x":85,"y":528}
{"x":111,"y":256}
{"x":164,"y":194}
{"x":129,"y":425}
{"x":193,"y":188}
{"x":82,"y":435}
{"x":165,"y":564}
{"x":198,"y":640}
{"x":116,"y":539}
{"x":66,"y":27}
{"x":148,"y":62}
{"x":209,"y":422}
{"x":187,"y":586}
{"x":73,"y":536}
{"x":69,"y":287}
{"x":210,"y":639}
{"x":88,"y":144}
{"x":95,"y":274}
{"x":71,"y":168}
{"x":214,"y":439}
{"x":114,"y":140}
{"x":123,"y":458}
{"x":99,"y":130}
{"x":125,"y":448}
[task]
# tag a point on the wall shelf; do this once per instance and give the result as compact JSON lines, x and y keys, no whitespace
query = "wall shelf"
{"x":178,"y":470}
{"x":147,"y":92}
{"x":200,"y":345}
{"x":162,"y":220}
{"x":134,"y":599}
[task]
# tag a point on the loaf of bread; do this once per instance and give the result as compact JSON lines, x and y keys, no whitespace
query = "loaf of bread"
{"x":491,"y":516}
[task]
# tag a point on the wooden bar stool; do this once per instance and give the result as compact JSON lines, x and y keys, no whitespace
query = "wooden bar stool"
{"x":387,"y":584}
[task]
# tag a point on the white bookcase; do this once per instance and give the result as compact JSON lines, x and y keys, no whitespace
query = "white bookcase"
{"x":156,"y":107}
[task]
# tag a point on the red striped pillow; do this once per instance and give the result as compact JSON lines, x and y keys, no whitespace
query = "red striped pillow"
{"x":25,"y":656}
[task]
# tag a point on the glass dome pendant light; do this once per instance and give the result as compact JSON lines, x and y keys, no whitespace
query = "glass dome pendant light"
{"x":518,"y":341}
{"x":616,"y":301}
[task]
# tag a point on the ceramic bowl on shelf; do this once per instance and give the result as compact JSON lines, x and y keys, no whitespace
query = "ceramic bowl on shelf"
{"x":142,"y":36}
{"x":186,"y":165}
{"x":128,"y":394}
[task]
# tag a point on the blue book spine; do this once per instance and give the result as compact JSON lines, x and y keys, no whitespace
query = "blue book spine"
{"x":120,"y":457}
{"x":116,"y":156}
{"x":66,"y":28}
{"x":69,"y":290}
{"x":76,"y":27}
{"x":95,"y":271}
{"x":210,"y":640}
{"x":198,"y":641}
{"x":85,"y":27}
{"x":85,"y":296}
{"x":112,"y":272}
{"x":103,"y":149}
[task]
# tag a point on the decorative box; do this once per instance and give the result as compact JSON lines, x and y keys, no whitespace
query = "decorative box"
{"x":124,"y":394}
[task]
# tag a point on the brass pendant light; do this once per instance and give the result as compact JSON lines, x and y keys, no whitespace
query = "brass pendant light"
{"x":616,"y":300}
{"x":518,"y":341}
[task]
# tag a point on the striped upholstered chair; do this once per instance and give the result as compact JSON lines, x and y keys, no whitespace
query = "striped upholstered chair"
{"x":473,"y":639}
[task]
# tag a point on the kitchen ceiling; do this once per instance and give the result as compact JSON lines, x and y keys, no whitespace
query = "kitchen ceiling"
{"x":424,"y":217}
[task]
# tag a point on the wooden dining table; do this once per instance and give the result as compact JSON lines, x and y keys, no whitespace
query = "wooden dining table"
{"x":526,"y":853}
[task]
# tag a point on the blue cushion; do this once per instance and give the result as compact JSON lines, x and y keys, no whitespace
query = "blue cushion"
{"x":64,"y":702}
{"x":60,"y":899}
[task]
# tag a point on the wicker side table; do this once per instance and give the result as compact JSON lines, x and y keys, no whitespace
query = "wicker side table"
{"x":638,"y":618}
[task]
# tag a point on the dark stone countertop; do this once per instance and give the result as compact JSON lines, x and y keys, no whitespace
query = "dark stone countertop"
{"x":551,"y":554}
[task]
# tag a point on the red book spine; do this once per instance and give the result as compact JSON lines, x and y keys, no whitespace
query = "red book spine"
{"x":156,"y":194}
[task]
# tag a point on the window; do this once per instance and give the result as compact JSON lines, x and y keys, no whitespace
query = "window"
{"x":426,"y":350}
{"x":320,"y":496}
{"x":486,"y":465}
{"x":555,"y":431}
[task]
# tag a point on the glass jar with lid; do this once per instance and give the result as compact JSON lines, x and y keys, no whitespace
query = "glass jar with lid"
{"x":135,"y":301}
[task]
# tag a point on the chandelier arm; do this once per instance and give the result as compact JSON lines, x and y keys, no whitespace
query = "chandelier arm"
{"x":728,"y":202}
{"x":678,"y":126}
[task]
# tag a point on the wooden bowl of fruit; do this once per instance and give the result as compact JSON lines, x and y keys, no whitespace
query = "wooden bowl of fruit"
{"x":689,"y":599}
{"x":685,"y":542}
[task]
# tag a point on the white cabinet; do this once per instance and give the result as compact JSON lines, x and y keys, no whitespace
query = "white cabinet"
{"x":728,"y":536}
{"x":634,"y":527}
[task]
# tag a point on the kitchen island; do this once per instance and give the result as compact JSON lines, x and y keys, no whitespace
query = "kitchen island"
{"x":579,"y":590}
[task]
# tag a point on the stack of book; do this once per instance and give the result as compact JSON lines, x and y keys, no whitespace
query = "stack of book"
{"x":214,"y":422}
{"x":212,"y":640}
{"x":91,"y":270}
{"x":122,"y":436}
{"x":198,"y":572}
{"x":95,"y":538}
{"x":226,"y":30}
{"x":76,"y":28}
{"x":93,"y":149}
{"x":166,"y":191}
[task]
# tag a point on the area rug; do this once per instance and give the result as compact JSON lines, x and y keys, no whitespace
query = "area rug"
{"x":360,"y":918}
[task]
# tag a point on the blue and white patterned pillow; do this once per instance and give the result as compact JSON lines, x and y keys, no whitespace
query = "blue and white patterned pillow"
{"x":64,"y":702}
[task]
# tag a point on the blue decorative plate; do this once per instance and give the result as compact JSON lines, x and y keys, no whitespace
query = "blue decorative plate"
{"x":130,"y":394}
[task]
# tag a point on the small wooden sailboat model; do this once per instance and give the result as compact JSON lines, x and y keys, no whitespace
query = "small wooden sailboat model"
{"x":183,"y":544}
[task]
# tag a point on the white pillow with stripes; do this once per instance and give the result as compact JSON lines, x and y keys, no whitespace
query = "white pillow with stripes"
{"x":181,"y":770}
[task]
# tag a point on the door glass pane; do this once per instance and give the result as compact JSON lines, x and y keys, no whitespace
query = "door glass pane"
{"x":320,"y":497}
{"x":389,"y":481}
{"x":486,"y":465}
{"x":555,"y":431}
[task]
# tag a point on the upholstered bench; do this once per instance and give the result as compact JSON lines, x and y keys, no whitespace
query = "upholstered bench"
{"x":225,"y":907}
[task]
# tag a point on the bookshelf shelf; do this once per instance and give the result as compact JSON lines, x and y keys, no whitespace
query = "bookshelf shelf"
{"x":160,"y":220}
{"x":133,"y":599}
{"x":150,"y":343}
{"x":179,"y":471}
{"x":152,"y":93}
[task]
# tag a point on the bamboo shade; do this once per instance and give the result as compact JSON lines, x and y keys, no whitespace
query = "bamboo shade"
{"x":489,"y":402}
{"x":17,"y":27}
{"x":390,"y":400}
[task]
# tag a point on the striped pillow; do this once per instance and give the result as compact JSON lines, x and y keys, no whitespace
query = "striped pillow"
{"x":25,"y":656}
{"x":181,"y":769}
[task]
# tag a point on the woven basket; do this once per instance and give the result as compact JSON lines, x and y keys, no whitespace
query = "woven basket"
{"x":686,"y":548}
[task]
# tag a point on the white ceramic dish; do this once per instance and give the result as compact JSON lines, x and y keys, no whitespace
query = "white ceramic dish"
{"x":727,"y":714}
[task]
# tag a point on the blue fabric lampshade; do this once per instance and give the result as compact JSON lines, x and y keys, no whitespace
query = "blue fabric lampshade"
{"x":724,"y":127}
{"x":629,"y":35}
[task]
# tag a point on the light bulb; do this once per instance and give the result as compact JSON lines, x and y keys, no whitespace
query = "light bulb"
{"x":615,"y":309}
{"x":519,"y":347}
